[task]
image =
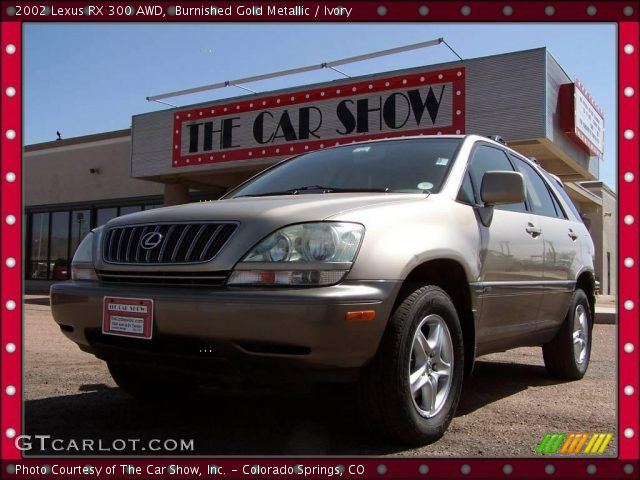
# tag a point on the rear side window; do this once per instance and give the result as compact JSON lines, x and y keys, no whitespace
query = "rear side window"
{"x":486,"y":158}
{"x":540,"y":199}
{"x":559,"y":187}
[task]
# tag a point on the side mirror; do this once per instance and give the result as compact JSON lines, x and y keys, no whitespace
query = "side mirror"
{"x":500,"y":187}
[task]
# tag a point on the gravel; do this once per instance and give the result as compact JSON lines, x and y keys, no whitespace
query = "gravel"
{"x":507,"y":406}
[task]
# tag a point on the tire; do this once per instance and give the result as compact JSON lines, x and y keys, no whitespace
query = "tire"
{"x":567,"y":355}
{"x":148,"y":388}
{"x":385,"y":395}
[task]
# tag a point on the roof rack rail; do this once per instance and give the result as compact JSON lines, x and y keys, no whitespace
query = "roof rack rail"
{"x":497,"y":138}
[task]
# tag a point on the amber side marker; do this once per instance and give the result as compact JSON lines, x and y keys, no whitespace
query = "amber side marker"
{"x":360,"y":316}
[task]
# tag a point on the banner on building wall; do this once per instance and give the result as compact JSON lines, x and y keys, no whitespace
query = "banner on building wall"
{"x":581,"y":118}
{"x":284,"y":124}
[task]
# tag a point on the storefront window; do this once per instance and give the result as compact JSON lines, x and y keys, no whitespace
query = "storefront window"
{"x":55,"y":237}
{"x":80,"y":227}
{"x":105,"y":214}
{"x":130,"y":209}
{"x":59,"y":258}
{"x":38,"y":264}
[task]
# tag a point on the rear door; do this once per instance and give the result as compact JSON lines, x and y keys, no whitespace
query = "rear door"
{"x":512,"y":260}
{"x":561,"y":244}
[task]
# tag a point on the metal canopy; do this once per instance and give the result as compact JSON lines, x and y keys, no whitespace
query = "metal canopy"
{"x":291,"y":71}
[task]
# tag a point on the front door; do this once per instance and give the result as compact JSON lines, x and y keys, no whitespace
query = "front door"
{"x":511,"y":284}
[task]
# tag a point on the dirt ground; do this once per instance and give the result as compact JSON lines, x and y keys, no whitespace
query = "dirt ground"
{"x":507,"y":406}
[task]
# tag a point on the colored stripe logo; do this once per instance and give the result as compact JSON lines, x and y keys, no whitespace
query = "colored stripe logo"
{"x":574,"y":443}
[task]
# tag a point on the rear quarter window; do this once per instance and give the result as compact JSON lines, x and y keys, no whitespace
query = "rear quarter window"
{"x":540,"y":199}
{"x":564,"y":196}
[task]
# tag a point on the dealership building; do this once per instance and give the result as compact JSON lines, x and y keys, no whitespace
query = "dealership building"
{"x":198,"y":152}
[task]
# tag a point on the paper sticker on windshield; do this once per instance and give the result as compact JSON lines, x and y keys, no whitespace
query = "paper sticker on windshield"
{"x":425,"y":185}
{"x":361,"y":150}
{"x":442,"y":161}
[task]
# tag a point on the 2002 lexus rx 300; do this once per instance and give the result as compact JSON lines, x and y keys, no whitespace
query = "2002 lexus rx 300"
{"x":392,"y":263}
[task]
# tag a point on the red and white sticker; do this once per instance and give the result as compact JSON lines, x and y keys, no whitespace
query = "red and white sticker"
{"x":127,"y":317}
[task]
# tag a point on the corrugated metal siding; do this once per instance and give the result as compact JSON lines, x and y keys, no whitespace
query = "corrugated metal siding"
{"x":556,"y":76}
{"x":503,"y":97}
{"x":151,"y":143}
{"x":504,"y":94}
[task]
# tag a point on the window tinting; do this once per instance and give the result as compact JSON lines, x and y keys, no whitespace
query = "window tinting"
{"x":559,"y":188}
{"x":487,"y":159}
{"x":538,"y":195}
{"x":556,"y":205}
{"x":466,"y":191}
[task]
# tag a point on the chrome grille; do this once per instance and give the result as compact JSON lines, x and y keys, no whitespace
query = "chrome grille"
{"x":191,"y":279}
{"x":181,"y":243}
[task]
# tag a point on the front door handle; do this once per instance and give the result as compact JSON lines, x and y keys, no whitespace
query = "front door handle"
{"x":573,"y":235}
{"x":533,"y":230}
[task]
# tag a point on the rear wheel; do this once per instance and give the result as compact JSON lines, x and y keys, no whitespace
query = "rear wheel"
{"x":567,"y":355}
{"x":150,"y":388}
{"x":411,"y":389}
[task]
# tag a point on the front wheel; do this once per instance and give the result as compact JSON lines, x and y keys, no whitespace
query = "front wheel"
{"x":567,"y":355}
{"x":411,"y":389}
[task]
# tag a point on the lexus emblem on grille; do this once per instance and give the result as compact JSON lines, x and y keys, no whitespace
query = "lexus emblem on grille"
{"x":151,"y":240}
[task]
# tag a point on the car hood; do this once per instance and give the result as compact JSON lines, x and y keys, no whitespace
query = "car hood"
{"x":257,"y":218}
{"x":283,"y":209}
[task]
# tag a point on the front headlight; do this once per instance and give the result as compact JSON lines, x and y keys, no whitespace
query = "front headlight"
{"x":82,"y":263}
{"x":304,"y":254}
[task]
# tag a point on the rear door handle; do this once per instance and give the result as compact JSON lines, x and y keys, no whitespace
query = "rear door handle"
{"x":573,"y":235}
{"x":533,"y":230}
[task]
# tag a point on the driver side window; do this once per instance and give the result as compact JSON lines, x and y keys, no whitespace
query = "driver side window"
{"x":486,"y":158}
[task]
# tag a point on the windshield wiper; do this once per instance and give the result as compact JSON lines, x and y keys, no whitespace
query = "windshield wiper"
{"x":296,"y":191}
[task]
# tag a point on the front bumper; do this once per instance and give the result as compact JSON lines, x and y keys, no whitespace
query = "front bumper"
{"x":234,"y":331}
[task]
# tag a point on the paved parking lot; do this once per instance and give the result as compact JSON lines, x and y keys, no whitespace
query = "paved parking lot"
{"x":507,"y":406}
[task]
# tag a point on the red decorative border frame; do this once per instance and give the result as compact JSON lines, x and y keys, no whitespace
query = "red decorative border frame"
{"x":628,"y":333}
{"x":455,"y":76}
{"x":10,"y":238}
{"x":625,"y":466}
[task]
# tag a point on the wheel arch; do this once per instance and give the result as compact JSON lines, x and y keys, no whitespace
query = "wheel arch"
{"x":450,"y":276}
{"x":586,"y":281}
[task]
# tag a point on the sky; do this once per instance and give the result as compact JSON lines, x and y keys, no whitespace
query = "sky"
{"x":81,"y":79}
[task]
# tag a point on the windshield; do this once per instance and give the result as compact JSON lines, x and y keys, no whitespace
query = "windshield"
{"x":401,"y":166}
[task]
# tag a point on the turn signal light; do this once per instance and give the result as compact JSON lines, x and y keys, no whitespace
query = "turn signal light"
{"x":360,"y":316}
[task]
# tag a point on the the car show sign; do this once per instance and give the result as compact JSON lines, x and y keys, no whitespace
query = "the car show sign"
{"x":295,"y":121}
{"x":581,"y":118}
